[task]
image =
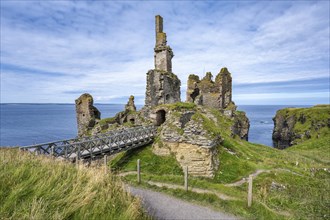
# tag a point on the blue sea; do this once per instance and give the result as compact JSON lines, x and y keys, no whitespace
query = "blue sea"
{"x":28,"y":124}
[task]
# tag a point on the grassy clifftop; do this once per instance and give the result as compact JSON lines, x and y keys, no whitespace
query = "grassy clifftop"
{"x":41,"y":188}
{"x":296,"y":125}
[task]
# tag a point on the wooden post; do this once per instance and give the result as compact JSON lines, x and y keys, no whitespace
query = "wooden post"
{"x":53,"y":152}
{"x":105,"y":164}
{"x":186,"y":178}
{"x":77,"y":160}
{"x":250,"y":191}
{"x":138,"y":171}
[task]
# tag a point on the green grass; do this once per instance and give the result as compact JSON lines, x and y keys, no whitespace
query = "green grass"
{"x":106,"y":121}
{"x":179,"y":106}
{"x":41,"y":188}
{"x":150,"y":163}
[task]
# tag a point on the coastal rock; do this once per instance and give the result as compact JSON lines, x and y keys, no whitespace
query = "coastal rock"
{"x":241,"y":125}
{"x":87,"y":114}
{"x":283,"y":133}
{"x":295,"y":125}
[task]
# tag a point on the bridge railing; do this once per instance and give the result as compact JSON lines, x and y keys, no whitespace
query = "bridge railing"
{"x":97,"y":144}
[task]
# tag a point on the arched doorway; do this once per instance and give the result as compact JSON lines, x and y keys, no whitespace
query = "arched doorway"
{"x":160,"y":117}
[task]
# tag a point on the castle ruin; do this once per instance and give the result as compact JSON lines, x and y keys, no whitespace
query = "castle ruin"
{"x":215,"y":94}
{"x":163,"y":86}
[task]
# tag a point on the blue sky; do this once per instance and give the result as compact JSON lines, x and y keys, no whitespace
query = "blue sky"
{"x":53,"y":51}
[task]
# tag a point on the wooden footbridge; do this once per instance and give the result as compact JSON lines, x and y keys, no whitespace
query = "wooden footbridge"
{"x":97,"y":145}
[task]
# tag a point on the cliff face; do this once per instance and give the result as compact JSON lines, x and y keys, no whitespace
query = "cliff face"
{"x":241,"y":125}
{"x":295,"y":125}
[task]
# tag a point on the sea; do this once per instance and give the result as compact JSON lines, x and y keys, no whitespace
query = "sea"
{"x":29,"y":124}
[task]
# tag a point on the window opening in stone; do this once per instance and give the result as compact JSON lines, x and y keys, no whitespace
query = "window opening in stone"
{"x":167,"y":97}
{"x":132,"y":120}
{"x":160,"y":117}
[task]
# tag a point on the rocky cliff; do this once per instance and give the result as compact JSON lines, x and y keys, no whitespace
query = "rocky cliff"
{"x":295,"y":125}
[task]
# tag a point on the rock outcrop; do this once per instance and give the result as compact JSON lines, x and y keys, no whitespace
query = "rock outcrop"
{"x":215,"y":94}
{"x":295,"y":125}
{"x":87,"y":114}
{"x":241,"y":125}
{"x":184,"y":135}
{"x":163,"y":86}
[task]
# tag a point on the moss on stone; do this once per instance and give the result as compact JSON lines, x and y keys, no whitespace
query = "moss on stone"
{"x":179,"y":106}
{"x":107,"y":121}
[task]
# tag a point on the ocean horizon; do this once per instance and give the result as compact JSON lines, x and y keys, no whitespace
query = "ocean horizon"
{"x":25,"y":124}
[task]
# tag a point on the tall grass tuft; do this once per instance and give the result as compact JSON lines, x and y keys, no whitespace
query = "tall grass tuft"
{"x":38,"y":187}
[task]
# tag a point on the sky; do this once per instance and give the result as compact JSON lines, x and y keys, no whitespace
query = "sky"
{"x":54,"y":51}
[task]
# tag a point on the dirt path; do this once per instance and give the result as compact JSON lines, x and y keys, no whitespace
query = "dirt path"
{"x":175,"y":186}
{"x":197,"y":190}
{"x":162,"y":206}
{"x":258,"y":172}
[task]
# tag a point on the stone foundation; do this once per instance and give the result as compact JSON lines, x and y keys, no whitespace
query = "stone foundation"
{"x":201,"y":160}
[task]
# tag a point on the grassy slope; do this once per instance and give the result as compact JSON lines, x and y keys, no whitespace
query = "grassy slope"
{"x":299,"y":169}
{"x":41,"y":188}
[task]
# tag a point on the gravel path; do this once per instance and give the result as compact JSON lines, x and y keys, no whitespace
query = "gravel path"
{"x":162,"y":206}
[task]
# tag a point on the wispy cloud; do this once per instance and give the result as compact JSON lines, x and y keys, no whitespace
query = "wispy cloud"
{"x":52,"y":50}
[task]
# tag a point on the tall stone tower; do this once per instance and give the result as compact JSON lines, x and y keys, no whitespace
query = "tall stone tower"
{"x":163,"y":53}
{"x":163,"y":86}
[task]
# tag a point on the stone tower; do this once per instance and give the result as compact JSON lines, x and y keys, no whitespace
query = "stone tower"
{"x":163,"y":53}
{"x":163,"y":86}
{"x":214,"y":94}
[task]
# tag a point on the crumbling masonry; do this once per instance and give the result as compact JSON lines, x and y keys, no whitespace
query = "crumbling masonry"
{"x":215,"y":94}
{"x":163,"y":86}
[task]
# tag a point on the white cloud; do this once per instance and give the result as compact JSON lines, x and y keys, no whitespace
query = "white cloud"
{"x":107,"y":47}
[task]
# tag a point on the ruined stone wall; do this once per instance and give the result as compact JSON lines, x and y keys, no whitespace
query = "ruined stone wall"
{"x":224,"y":82}
{"x":214,"y":94}
{"x":86,"y":113}
{"x":163,"y":59}
{"x":162,"y":88}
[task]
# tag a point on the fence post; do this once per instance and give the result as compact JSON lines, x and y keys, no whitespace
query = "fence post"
{"x":105,"y":164}
{"x":53,"y":152}
{"x":186,"y":178}
{"x":77,"y":160}
{"x":250,"y":191}
{"x":138,"y":171}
